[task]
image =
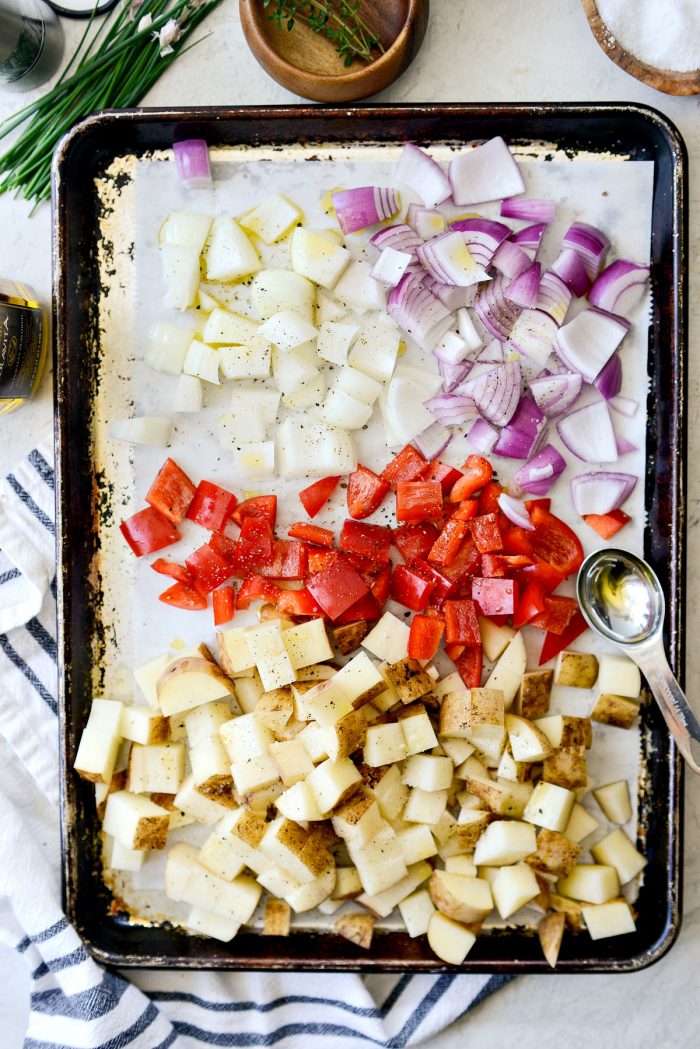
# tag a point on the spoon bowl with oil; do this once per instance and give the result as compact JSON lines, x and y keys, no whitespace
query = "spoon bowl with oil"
{"x":621,"y":600}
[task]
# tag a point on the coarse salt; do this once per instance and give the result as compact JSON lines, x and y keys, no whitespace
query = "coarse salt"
{"x":662,"y":33}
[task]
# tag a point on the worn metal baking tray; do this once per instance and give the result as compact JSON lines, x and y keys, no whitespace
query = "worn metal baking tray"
{"x":83,"y":498}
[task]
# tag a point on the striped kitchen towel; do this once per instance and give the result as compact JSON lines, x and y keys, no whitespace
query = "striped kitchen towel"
{"x":76,"y":1003}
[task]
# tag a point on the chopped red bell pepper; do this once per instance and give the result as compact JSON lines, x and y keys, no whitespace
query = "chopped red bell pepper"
{"x":367,"y":608}
{"x":477,"y":472}
{"x":444,"y":587}
{"x":447,"y":544}
{"x":544,"y":504}
{"x":317,"y":494}
{"x":337,"y":588}
{"x":495,"y":597}
{"x":488,"y":497}
{"x":261,"y":506}
{"x":148,"y":531}
{"x":556,"y":543}
{"x":408,"y":465}
{"x":517,"y":542}
{"x":465,"y":564}
{"x":530,"y":604}
{"x":501,"y":565}
{"x":366,"y":492}
{"x":366,"y":540}
{"x":556,"y":643}
{"x":298,"y":603}
{"x":290,"y":560}
{"x":320,"y":559}
{"x":446,"y":475}
{"x":207,"y":568}
{"x":454,"y":651}
{"x":486,"y":533}
{"x":418,"y":501}
{"x":467,"y":509}
{"x":415,"y":540}
{"x":607,"y":525}
{"x":171,"y":493}
{"x":311,"y":533}
{"x":212,"y":506}
{"x":180,"y":595}
{"x":380,"y":586}
{"x":542,"y":573}
{"x":469,"y":665}
{"x":410,"y":589}
{"x":557,"y":614}
{"x":424,"y":638}
{"x":254,"y":546}
{"x":224,"y":604}
{"x":172,"y":569}
{"x":224,"y":546}
{"x":461,"y":623}
{"x":255,"y":588}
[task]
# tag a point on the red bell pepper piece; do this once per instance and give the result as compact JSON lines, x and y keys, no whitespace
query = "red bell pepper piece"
{"x":254,"y":546}
{"x":486,"y":533}
{"x":367,"y":608}
{"x":147,"y":531}
{"x":255,"y":588}
{"x":212,"y":506}
{"x":207,"y":568}
{"x":320,"y":559}
{"x":380,"y":586}
{"x":366,"y":540}
{"x":424,"y":638}
{"x":555,"y":643}
{"x":290,"y":560}
{"x":224,"y":546}
{"x":317,"y":494}
{"x":418,"y":501}
{"x":501,"y":565}
{"x":488,"y":497}
{"x":180,"y":595}
{"x":446,"y":475}
{"x":454,"y":651}
{"x":446,"y":546}
{"x":461,"y":623}
{"x":465,"y":564}
{"x":607,"y":525}
{"x":557,"y":614}
{"x":366,"y":492}
{"x":469,"y":665}
{"x":556,"y":543}
{"x":311,"y":533}
{"x":171,"y":493}
{"x":467,"y":509}
{"x":410,"y":589}
{"x":415,"y":540}
{"x":477,"y":472}
{"x":172,"y":569}
{"x":541,"y":572}
{"x":408,"y":465}
{"x":224,"y":605}
{"x":544,"y":504}
{"x":444,"y":587}
{"x":337,"y":588}
{"x":495,"y":597}
{"x":298,"y":603}
{"x":261,"y":506}
{"x":530,"y":604}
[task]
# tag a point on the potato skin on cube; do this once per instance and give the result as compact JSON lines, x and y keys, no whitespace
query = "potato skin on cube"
{"x":550,"y":932}
{"x":566,"y":767}
{"x":409,"y":679}
{"x":532,"y":700}
{"x":277,"y":918}
{"x":576,"y":669}
{"x":357,"y":928}
{"x":555,"y":854}
{"x":350,"y":636}
{"x":615,"y":710}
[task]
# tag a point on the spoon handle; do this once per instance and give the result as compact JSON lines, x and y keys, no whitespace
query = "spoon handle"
{"x":675,"y":708}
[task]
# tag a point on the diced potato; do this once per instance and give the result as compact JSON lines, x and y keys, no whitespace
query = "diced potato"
{"x":292,"y":760}
{"x":136,"y":821}
{"x":556,"y":854}
{"x":619,"y":676}
{"x":270,"y":656}
{"x":388,"y":639}
{"x":347,"y":883}
{"x":428,"y":772}
{"x":290,"y":846}
{"x":527,"y":741}
{"x":99,"y":743}
{"x":467,"y":832}
{"x":379,"y":863}
{"x":615,"y":710}
{"x":382,"y":904}
{"x":350,"y":636}
{"x":457,"y":749}
{"x":571,"y":909}
{"x":510,"y":769}
{"x":332,"y":782}
{"x":566,"y":767}
{"x":146,"y":676}
{"x":122,"y":858}
{"x":277,"y":918}
{"x":508,"y":672}
{"x":416,"y":911}
{"x":608,"y":919}
{"x":576,"y":669}
{"x":614,"y":800}
{"x":274,"y":709}
{"x":188,"y":682}
{"x":617,"y":851}
{"x":307,"y":643}
{"x":159,"y":767}
{"x":494,"y":639}
{"x":359,"y":820}
{"x":450,"y":941}
{"x":254,"y":773}
{"x":425,"y":806}
{"x":206,"y":720}
{"x":550,"y":932}
{"x":200,"y":808}
{"x":357,"y":928}
{"x":517,"y":795}
{"x":462,"y":898}
{"x":461,"y":864}
{"x":416,"y":843}
{"x":454,"y":715}
{"x":513,"y":887}
{"x":505,"y":842}
{"x":385,"y":785}
{"x":550,"y":806}
{"x":591,"y":882}
{"x":233,"y":651}
{"x":144,"y":725}
{"x":580,"y":824}
{"x":298,"y":803}
{"x":384,"y":745}
{"x":417,"y":728}
{"x":245,"y":737}
{"x":409,"y":679}
{"x":360,"y":679}
{"x":532,"y":700}
{"x":316,"y":741}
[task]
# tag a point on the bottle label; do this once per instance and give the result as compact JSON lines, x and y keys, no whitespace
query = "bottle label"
{"x":21,"y":334}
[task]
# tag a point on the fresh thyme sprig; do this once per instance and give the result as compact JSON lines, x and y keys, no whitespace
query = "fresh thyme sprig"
{"x":338,"y":20}
{"x":112,"y":68}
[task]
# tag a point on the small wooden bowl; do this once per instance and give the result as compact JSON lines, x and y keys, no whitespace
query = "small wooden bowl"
{"x":667,"y":80}
{"x":307,"y":63}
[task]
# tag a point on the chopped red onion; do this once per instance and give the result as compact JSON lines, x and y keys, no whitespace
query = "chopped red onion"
{"x":554,"y":296}
{"x":483,"y":436}
{"x":447,"y":259}
{"x":511,"y":260}
{"x":496,"y":392}
{"x":492,"y":353}
{"x":427,"y":222}
{"x":530,"y":209}
{"x":487,"y":172}
{"x":523,"y":291}
{"x":417,"y":170}
{"x":601,"y":492}
{"x":493,"y":309}
{"x":555,"y":394}
{"x":619,"y":287}
{"x":451,"y":409}
{"x":451,"y":349}
{"x":588,"y":433}
{"x":539,"y":474}
{"x":608,"y":381}
{"x":518,"y":439}
{"x":399,"y":236}
{"x":418,"y":312}
{"x":624,"y":445}
{"x":467,"y":329}
{"x":390,"y":267}
{"x":483,"y":237}
{"x":516,"y":511}
{"x":451,"y":297}
{"x":587,"y":342}
{"x":624,"y":406}
{"x":453,"y":374}
{"x":433,"y":441}
{"x":533,"y":335}
{"x":364,"y":206}
{"x":569,"y":266}
{"x":588,"y":242}
{"x":529,"y":238}
{"x":192,"y":162}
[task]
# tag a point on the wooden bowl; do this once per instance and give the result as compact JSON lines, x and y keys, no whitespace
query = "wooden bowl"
{"x":307,"y":63}
{"x":667,"y":80}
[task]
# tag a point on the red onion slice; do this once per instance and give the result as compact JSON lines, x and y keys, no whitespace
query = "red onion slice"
{"x":569,"y":266}
{"x":483,"y":437}
{"x":555,"y":394}
{"x":400,"y":236}
{"x":451,"y":297}
{"x":518,"y":439}
{"x":624,"y":445}
{"x":451,"y":409}
{"x":496,"y":392}
{"x":529,"y":238}
{"x":619,"y":288}
{"x":524,"y":290}
{"x":453,"y":374}
{"x":451,"y":349}
{"x":588,"y":433}
{"x":493,"y":309}
{"x":608,"y":381}
{"x":531,"y":209}
{"x":487,"y":172}
{"x":417,"y":170}
{"x":483,"y":237}
{"x":447,"y":259}
{"x":417,"y":312}
{"x":364,"y":206}
{"x":589,"y":243}
{"x":601,"y":492}
{"x":533,"y":335}
{"x":624,"y":406}
{"x":539,"y":474}
{"x":492,"y":353}
{"x":587,"y":342}
{"x":426,"y":222}
{"x":433,"y":441}
{"x":554,"y":296}
{"x":511,"y":260}
{"x":516,"y":511}
{"x":192,"y":162}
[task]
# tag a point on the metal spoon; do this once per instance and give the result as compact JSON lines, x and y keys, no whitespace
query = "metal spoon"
{"x":621,"y":599}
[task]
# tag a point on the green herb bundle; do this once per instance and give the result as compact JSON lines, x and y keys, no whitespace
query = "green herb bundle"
{"x":338,"y":20}
{"x":112,"y":68}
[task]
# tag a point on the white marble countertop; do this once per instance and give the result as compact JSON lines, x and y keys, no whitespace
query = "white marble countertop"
{"x":503,"y":50}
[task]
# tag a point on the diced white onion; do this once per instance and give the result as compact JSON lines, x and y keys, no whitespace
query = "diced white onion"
{"x":145,"y":429}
